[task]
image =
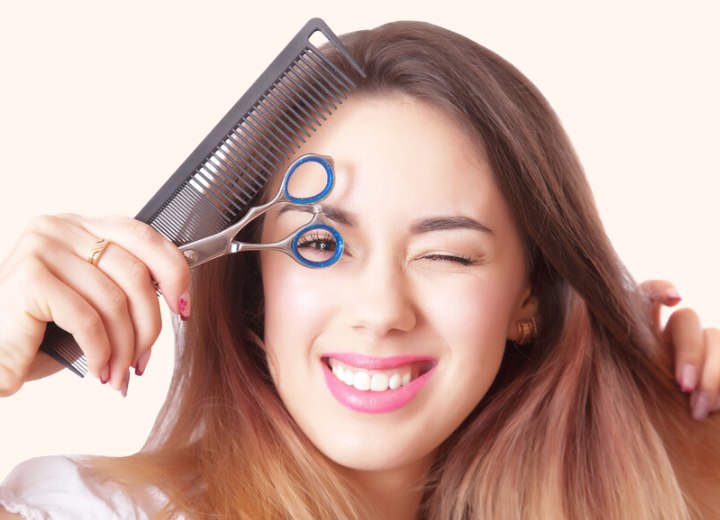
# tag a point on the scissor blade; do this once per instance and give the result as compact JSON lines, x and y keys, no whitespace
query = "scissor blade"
{"x":206,"y":249}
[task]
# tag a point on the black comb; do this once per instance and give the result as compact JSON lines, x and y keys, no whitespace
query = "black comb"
{"x":213,"y":187}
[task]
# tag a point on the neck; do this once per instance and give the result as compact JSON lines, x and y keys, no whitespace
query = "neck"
{"x":396,"y":493}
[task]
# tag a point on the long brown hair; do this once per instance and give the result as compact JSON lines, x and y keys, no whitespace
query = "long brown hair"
{"x":584,"y":423}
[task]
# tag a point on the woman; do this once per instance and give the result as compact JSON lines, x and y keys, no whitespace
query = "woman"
{"x":478,"y":352}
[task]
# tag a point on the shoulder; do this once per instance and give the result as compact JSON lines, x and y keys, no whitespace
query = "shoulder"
{"x":59,"y":488}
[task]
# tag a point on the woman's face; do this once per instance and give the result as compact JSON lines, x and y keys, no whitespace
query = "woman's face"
{"x":380,"y":357}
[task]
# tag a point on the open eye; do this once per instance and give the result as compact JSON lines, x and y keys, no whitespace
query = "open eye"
{"x":317,"y":245}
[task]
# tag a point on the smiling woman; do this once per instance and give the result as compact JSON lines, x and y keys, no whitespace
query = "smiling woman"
{"x":478,"y":351}
{"x":430,"y":287}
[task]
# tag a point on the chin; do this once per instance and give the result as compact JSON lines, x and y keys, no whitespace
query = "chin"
{"x":381,"y":454}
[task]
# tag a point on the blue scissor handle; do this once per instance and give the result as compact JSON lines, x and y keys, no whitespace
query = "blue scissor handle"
{"x":339,"y":246}
{"x":330,"y":180}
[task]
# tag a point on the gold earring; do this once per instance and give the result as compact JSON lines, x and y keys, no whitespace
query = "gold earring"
{"x":527,"y":330}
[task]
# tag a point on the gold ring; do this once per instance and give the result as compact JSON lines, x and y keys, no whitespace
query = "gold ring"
{"x":97,"y":251}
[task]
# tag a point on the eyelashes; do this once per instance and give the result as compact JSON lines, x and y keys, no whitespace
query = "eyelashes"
{"x":319,"y":245}
{"x":445,"y":257}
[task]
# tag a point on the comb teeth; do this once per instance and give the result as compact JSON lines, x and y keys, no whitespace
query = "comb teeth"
{"x":215,"y":185}
{"x":264,"y":138}
{"x":65,"y":350}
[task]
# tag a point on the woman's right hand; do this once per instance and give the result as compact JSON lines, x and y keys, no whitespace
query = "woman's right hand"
{"x":111,"y":308}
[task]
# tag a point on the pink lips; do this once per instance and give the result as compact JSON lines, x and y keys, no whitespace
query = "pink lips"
{"x":376,"y":402}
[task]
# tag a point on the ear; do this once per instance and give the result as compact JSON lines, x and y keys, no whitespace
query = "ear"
{"x":527,"y":308}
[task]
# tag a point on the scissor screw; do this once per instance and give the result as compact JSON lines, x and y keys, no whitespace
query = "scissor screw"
{"x":190,"y":255}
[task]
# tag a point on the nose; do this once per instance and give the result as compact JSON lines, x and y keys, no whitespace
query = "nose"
{"x":381,"y":302}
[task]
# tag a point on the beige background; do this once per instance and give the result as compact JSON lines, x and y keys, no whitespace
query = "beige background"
{"x":100,"y":102}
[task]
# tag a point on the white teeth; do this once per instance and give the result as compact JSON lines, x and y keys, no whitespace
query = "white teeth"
{"x":376,"y":381}
{"x":347,"y":377}
{"x":379,"y":382}
{"x":361,"y":381}
{"x":395,"y":381}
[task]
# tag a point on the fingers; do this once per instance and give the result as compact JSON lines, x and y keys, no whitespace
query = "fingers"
{"x":111,"y":300}
{"x":685,"y":333}
{"x":660,"y":293}
{"x":704,"y":399}
{"x":164,"y":261}
{"x":133,"y":279}
{"x":697,"y":361}
{"x":42,"y":298}
{"x":137,"y":258}
{"x":111,"y":308}
{"x":136,"y":294}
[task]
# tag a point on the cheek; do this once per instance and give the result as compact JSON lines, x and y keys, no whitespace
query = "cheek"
{"x":293,"y":304}
{"x":475,"y":311}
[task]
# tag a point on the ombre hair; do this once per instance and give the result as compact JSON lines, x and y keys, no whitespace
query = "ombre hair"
{"x":586,"y":422}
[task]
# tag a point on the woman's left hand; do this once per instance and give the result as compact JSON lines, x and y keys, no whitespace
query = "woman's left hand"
{"x":696,"y":349}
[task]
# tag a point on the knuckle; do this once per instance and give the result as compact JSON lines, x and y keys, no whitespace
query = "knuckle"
{"x":91,"y":332}
{"x":52,"y":225}
{"x":31,"y":272}
{"x":10,"y":381}
{"x":10,"y":385}
{"x":685,"y":313}
{"x":90,"y":325}
{"x":684,"y":319}
{"x":32,"y":269}
{"x":154,"y":334}
{"x":145,"y":233}
{"x":711,"y":382}
{"x":150,"y":333}
{"x":143,"y":346}
{"x":137,"y":272}
{"x":115,"y":300}
{"x":172,"y":282}
{"x":34,"y":243}
{"x":41,"y":223}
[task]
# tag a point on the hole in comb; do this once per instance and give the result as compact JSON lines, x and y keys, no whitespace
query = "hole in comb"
{"x":318,"y":39}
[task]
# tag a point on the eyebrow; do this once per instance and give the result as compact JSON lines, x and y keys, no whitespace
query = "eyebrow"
{"x":333,"y":213}
{"x":444,"y":223}
{"x":425,"y":225}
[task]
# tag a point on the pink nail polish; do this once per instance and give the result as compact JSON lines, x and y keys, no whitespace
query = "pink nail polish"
{"x":701,"y":403}
{"x":126,"y":384}
{"x":105,"y":375}
{"x":688,"y":378}
{"x":184,"y":306}
{"x":142,"y":362}
{"x":673,"y":297}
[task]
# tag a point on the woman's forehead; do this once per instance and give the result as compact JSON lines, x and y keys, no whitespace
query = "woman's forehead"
{"x":395,"y":126}
{"x":395,"y":150}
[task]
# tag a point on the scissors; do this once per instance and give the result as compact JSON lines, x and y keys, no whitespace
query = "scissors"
{"x":316,"y":237}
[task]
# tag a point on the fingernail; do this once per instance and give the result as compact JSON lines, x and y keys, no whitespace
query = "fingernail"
{"x":672,"y":295}
{"x":126,"y":383}
{"x":105,"y":375}
{"x":700,"y":404}
{"x":688,"y":378}
{"x":142,"y":362}
{"x":184,"y":306}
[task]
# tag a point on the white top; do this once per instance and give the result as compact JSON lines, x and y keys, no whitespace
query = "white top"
{"x":56,"y":488}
